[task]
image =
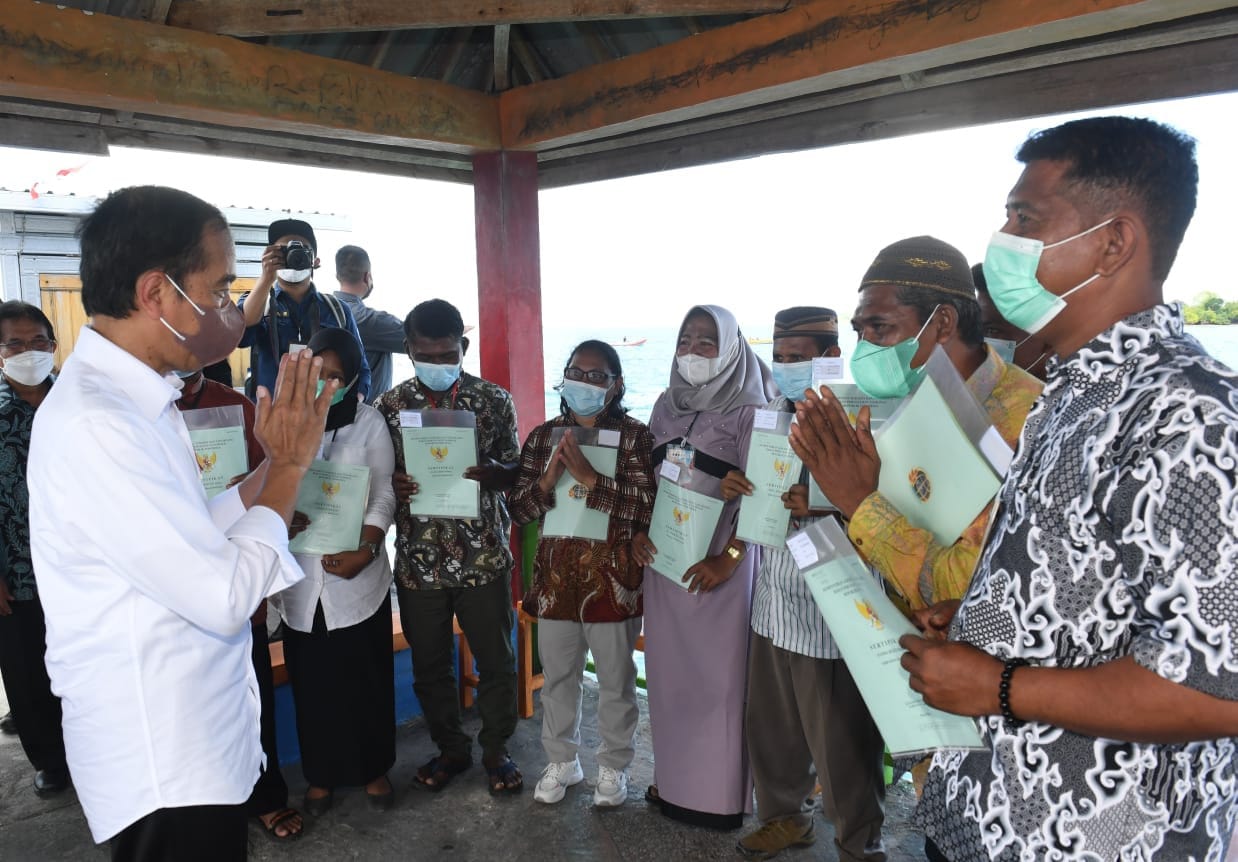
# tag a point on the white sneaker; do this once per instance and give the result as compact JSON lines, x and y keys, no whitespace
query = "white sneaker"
{"x":556,"y":779}
{"x":612,"y":787}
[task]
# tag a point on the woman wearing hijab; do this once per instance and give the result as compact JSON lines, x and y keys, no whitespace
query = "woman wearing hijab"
{"x":696,"y":640}
{"x":337,"y":644}
{"x":586,"y":594}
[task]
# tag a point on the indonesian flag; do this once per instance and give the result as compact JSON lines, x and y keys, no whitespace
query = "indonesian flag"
{"x":60,"y":174}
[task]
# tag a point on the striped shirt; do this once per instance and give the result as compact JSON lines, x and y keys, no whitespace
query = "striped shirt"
{"x":783,"y":609}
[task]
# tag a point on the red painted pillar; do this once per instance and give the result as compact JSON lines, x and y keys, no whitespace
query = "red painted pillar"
{"x":509,"y":291}
{"x":509,"y":282}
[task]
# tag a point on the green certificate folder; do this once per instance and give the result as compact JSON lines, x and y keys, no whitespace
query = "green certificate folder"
{"x":439,"y":445}
{"x":334,"y":496}
{"x":866,"y":626}
{"x":683,"y":522}
{"x":852,"y":399}
{"x":571,"y":517}
{"x":772,"y":468}
{"x":218,"y":437}
{"x":935,"y":470}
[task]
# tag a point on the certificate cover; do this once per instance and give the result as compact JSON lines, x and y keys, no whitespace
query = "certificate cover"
{"x":218,"y":437}
{"x":772,"y":468}
{"x":866,"y":627}
{"x":570,"y":517}
{"x":683,"y":522}
{"x":852,"y":398}
{"x":439,"y":445}
{"x":940,"y":455}
{"x":334,"y":497}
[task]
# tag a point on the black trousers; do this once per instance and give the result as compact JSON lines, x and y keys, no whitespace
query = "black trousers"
{"x":271,"y":791}
{"x":485,"y":615}
{"x":36,"y":711}
{"x":932,"y":853}
{"x":196,"y":833}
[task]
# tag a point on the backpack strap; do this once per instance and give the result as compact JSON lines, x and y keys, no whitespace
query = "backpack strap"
{"x":337,"y":309}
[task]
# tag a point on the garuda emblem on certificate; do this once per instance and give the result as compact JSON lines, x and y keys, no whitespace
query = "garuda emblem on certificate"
{"x":680,"y":515}
{"x":866,"y":610}
{"x":781,"y":468}
{"x":438,"y":453}
{"x":206,"y":462}
{"x":330,"y":489}
{"x":920,"y":484}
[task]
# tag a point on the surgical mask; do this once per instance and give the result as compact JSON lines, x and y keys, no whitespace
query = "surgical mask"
{"x":339,"y":393}
{"x":1003,"y":347}
{"x":185,"y":375}
{"x":29,"y":368}
{"x":436,"y":378}
{"x":886,"y":372}
{"x":793,"y":378}
{"x":217,"y":336}
{"x":1010,"y":266}
{"x":293,"y":276}
{"x":584,"y":399}
{"x":698,"y":370}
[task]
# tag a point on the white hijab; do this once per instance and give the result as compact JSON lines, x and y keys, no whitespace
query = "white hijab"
{"x":744,"y":379}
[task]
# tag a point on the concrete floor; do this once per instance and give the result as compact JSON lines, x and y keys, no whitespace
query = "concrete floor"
{"x":462,"y":823}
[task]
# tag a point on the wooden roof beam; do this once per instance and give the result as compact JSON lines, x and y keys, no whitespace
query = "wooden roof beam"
{"x":64,"y":55}
{"x":281,"y":17}
{"x":812,"y":48}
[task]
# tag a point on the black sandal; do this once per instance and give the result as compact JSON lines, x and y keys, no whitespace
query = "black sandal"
{"x":500,"y":777}
{"x":438,"y":772}
{"x":281,"y":818}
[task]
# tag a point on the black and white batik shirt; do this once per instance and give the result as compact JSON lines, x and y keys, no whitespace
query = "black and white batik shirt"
{"x":1117,"y":535}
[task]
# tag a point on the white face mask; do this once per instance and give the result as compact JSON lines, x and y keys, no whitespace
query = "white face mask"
{"x":293,"y":276}
{"x":698,"y":370}
{"x":30,"y":368}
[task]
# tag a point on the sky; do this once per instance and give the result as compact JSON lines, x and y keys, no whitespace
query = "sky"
{"x":754,"y":235}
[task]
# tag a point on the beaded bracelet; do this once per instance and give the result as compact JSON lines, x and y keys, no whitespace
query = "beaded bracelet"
{"x":1003,"y":693}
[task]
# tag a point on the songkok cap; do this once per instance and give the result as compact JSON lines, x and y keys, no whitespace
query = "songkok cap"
{"x":924,"y":262}
{"x":805,"y":320}
{"x":291,"y":227}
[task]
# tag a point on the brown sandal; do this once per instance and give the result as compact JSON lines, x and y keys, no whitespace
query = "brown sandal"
{"x":281,"y":818}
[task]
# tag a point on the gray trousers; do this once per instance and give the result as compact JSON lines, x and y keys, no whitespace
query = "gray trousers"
{"x":804,"y":711}
{"x":562,"y":645}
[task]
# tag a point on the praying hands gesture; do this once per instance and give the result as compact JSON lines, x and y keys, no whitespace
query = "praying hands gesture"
{"x":568,"y":457}
{"x":843,"y":460}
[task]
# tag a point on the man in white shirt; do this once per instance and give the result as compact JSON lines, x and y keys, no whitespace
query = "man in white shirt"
{"x":148,"y":589}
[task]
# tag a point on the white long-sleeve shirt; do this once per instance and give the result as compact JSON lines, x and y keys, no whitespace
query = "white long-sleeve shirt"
{"x":348,"y":601}
{"x":148,"y":590}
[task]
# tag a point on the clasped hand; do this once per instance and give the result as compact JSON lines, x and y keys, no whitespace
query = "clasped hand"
{"x":289,"y":425}
{"x":567,"y":457}
{"x":950,"y":676}
{"x":842,"y":460}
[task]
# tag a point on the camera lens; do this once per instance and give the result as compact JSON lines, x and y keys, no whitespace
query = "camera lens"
{"x":297,"y":255}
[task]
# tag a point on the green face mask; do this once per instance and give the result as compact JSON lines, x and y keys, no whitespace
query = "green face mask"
{"x":886,"y":372}
{"x":339,"y":393}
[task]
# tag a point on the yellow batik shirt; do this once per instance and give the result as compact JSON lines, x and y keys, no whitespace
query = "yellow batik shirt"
{"x":910,"y":559}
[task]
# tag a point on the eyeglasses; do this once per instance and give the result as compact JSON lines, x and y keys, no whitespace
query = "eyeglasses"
{"x":11,"y":348}
{"x":595,"y":377}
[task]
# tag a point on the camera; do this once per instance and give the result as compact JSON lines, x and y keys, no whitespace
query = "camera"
{"x":298,"y":255}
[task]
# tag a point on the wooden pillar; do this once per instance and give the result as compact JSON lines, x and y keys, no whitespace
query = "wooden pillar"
{"x":509,"y":291}
{"x":509,"y":284}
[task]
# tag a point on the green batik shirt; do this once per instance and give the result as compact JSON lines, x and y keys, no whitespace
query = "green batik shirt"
{"x":437,"y":553}
{"x":16,"y":419}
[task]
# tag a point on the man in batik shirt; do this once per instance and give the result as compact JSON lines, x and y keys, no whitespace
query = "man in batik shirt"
{"x":1098,"y":640}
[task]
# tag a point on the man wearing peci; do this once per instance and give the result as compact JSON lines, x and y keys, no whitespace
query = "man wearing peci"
{"x":148,"y":589}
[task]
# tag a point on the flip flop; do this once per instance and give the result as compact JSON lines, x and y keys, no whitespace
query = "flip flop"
{"x":281,"y":818}
{"x":438,"y":772}
{"x":499,"y":778}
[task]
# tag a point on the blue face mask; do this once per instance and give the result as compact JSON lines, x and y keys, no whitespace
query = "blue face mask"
{"x":437,"y":378}
{"x":886,"y":372}
{"x":1010,"y":266}
{"x":339,"y":393}
{"x":584,"y":399}
{"x":792,"y":378}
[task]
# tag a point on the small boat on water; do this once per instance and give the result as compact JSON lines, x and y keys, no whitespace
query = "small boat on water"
{"x":634,"y":342}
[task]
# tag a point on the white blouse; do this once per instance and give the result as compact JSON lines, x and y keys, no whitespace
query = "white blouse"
{"x":348,"y":601}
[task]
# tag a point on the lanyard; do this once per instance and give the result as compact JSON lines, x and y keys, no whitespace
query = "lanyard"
{"x":451,"y":396}
{"x":326,"y":450}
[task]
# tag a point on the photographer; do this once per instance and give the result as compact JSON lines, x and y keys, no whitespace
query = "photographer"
{"x":285,"y":310}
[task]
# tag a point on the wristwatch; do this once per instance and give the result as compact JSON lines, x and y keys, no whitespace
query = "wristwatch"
{"x":735,"y":553}
{"x":372,"y":547}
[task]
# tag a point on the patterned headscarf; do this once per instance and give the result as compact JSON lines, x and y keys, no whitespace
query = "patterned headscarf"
{"x":744,"y":378}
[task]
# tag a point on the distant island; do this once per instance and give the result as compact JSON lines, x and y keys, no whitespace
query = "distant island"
{"x":1208,"y":308}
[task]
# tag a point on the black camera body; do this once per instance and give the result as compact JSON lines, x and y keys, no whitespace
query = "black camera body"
{"x":298,"y":255}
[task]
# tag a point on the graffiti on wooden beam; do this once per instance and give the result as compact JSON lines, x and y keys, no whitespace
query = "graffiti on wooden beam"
{"x":872,"y":22}
{"x":205,"y":81}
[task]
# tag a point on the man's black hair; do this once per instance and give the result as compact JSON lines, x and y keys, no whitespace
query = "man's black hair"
{"x":135,"y":230}
{"x":434,"y":318}
{"x":351,"y":263}
{"x":15,"y":309}
{"x":977,"y":276}
{"x":611,"y":357}
{"x":970,"y":328}
{"x":1116,"y":161}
